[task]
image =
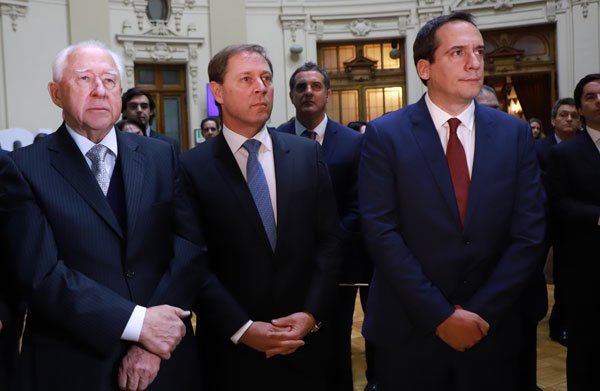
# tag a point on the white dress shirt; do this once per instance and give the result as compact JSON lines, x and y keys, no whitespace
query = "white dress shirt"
{"x":465,"y":131}
{"x":319,"y":130}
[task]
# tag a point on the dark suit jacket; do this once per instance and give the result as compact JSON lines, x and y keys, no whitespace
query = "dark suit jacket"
{"x":574,"y":193}
{"x":10,"y":317}
{"x":169,"y":140}
{"x":216,"y":210}
{"x":425,"y":260}
{"x":80,"y":272}
{"x":341,"y":151}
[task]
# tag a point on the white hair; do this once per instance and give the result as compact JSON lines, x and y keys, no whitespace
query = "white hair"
{"x":59,"y":61}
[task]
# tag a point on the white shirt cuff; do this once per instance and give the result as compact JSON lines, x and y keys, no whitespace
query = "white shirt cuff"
{"x":133,"y":328}
{"x":236,"y":337}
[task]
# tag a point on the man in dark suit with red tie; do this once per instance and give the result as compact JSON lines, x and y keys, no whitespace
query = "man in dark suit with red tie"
{"x":261,"y":203}
{"x":450,"y":196}
{"x":309,"y":92}
{"x":87,"y":220}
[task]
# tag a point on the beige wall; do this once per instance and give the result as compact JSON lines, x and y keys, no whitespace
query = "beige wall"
{"x":227,"y":23}
{"x":88,"y":19}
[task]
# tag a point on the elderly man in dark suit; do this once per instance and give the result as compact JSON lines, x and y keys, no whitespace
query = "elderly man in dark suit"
{"x":262,"y":204}
{"x":574,"y":191}
{"x":309,"y":92}
{"x":450,"y":196}
{"x":89,"y":214}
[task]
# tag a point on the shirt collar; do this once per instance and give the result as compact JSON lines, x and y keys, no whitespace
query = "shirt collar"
{"x":594,"y":134}
{"x":84,"y":144}
{"x":440,"y":117}
{"x":319,"y":129}
{"x":235,"y":140}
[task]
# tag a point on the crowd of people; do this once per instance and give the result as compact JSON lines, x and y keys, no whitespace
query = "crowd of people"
{"x":439,"y":215}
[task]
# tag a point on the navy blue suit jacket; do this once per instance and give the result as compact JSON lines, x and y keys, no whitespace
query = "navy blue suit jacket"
{"x":80,"y":272}
{"x":425,"y":261}
{"x":216,"y":210}
{"x":341,"y":151}
{"x":574,"y":193}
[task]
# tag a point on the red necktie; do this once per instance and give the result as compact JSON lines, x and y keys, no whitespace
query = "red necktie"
{"x":459,"y":171}
{"x":310,"y":134}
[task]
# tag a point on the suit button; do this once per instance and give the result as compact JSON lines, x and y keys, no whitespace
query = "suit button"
{"x":130,"y":274}
{"x":466,"y":241}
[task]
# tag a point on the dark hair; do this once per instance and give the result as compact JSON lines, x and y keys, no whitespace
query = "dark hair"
{"x":427,"y":43}
{"x":356,"y":125}
{"x":216,"y":120}
{"x":578,"y":93}
{"x":217,"y":67}
{"x":307,"y":67}
{"x":560,"y":102}
{"x":39,"y":136}
{"x":130,"y":121}
{"x":132,"y":93}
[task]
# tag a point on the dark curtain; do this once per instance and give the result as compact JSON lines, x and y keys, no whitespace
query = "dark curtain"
{"x":534,"y":93}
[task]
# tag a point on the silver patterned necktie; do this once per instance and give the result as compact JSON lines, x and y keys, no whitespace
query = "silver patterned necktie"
{"x":257,"y":183}
{"x":97,"y":154}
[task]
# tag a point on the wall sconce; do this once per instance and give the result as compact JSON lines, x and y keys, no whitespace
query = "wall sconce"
{"x":296,"y":49}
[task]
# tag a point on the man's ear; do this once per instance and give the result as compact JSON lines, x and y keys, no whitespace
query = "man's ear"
{"x":55,"y":93}
{"x":423,"y":69}
{"x":217,"y":91}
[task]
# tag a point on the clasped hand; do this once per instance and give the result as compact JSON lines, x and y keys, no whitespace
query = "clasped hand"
{"x":281,"y":336}
{"x":463,"y":329}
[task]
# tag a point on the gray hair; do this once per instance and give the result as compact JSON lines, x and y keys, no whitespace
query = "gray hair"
{"x":59,"y":61}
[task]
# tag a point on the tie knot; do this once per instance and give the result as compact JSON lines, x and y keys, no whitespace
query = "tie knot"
{"x":251,"y":145}
{"x":309,"y":134}
{"x":97,"y":153}
{"x":453,"y":124}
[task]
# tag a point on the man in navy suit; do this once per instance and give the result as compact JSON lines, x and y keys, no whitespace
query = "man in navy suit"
{"x":574,"y":191}
{"x":273,"y":256}
{"x":91,"y":235}
{"x":450,"y":196}
{"x":309,"y":92}
{"x":566,"y":123}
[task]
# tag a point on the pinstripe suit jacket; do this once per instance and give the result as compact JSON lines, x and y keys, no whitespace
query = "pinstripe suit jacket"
{"x":79,"y":271}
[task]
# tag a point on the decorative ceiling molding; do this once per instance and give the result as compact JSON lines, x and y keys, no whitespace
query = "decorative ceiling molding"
{"x":14,"y":9}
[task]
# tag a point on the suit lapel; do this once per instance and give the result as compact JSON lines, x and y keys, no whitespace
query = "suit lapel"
{"x":68,"y":161}
{"x":284,"y":167}
{"x":330,"y":140}
{"x":484,"y":159}
{"x":429,"y":143}
{"x":230,"y":171}
{"x":132,"y":165}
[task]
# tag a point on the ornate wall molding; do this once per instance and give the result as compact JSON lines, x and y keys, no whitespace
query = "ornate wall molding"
{"x":151,"y":47}
{"x":14,"y":9}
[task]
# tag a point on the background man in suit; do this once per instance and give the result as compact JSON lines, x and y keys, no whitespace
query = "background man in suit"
{"x":574,"y":192}
{"x":139,"y":104}
{"x":309,"y":92}
{"x":535,"y":297}
{"x":273,"y":255}
{"x":210,"y":127}
{"x":90,"y":236}
{"x":566,"y":123}
{"x":487,"y":97}
{"x":453,"y":222}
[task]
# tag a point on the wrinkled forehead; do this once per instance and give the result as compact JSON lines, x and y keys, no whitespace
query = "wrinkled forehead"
{"x":91,"y":59}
